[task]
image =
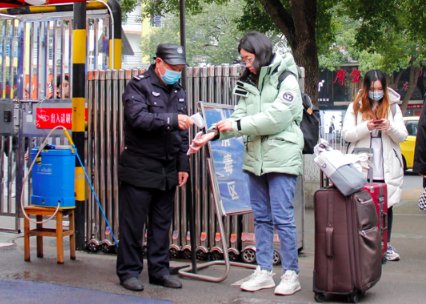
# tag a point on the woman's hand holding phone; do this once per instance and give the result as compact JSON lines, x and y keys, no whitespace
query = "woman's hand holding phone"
{"x":382,"y":124}
{"x":378,"y":124}
{"x":372,"y":124}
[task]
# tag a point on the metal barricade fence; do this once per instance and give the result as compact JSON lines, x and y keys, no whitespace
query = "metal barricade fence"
{"x":36,"y":50}
{"x":35,"y":60}
{"x":105,"y":141}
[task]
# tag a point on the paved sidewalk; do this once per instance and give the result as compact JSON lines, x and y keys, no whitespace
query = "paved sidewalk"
{"x":401,"y":282}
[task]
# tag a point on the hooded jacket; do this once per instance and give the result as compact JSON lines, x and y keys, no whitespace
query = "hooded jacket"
{"x":268,"y":116}
{"x":355,"y":131}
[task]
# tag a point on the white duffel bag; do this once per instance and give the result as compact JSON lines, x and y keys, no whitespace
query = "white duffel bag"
{"x":344,"y":170}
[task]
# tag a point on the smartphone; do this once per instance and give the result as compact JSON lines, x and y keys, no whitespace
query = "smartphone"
{"x":378,"y":121}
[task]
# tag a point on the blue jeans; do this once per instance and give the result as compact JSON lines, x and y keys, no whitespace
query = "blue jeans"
{"x":271,"y":197}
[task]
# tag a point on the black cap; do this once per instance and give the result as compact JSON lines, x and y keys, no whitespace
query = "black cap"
{"x":171,"y":53}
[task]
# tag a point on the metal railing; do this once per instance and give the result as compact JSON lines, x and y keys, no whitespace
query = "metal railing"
{"x":104,"y":142}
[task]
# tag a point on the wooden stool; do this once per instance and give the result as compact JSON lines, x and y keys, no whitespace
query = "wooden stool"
{"x":39,"y":231}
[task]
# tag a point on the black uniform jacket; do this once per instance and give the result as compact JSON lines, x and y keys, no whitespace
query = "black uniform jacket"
{"x":420,"y":154}
{"x":155,"y":147}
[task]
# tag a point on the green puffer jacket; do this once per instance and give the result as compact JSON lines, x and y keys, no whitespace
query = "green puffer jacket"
{"x":269,"y":119}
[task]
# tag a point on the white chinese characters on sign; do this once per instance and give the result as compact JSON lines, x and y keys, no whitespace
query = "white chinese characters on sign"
{"x":226,"y":143}
{"x":232,"y":191}
{"x":229,"y":169}
{"x":228,"y":163}
{"x":62,"y":118}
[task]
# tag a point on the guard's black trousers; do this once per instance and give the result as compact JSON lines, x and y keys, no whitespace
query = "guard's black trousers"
{"x":136,"y":206}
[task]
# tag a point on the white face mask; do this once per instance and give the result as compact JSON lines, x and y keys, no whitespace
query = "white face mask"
{"x":375,"y":95}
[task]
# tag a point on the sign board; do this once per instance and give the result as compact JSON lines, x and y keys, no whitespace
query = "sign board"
{"x":48,"y":118}
{"x":40,"y":117}
{"x":229,"y":180}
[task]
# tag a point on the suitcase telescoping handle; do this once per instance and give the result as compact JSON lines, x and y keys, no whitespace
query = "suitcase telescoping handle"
{"x":324,"y":180}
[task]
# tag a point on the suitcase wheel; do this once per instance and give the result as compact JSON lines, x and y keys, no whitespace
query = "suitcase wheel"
{"x":276,"y":258}
{"x":353,"y":298}
{"x":320,"y":297}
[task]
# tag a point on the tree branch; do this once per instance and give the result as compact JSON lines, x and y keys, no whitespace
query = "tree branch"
{"x":281,"y":17}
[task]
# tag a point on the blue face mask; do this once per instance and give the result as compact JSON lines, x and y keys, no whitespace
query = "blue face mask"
{"x":171,"y":77}
{"x":375,"y":95}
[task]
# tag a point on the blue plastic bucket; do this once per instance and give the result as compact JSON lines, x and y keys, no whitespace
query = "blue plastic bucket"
{"x":53,"y":177}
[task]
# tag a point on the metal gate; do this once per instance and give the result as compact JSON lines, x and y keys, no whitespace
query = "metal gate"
{"x":36,"y":70}
{"x":105,"y":141}
{"x":34,"y":52}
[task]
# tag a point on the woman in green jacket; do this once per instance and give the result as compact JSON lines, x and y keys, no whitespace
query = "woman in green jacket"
{"x":268,"y":115}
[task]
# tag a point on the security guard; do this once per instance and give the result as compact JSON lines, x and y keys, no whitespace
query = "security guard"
{"x":153,"y":163}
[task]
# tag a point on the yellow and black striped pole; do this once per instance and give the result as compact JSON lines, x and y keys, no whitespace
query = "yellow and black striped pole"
{"x":78,"y":114}
{"x":115,"y":43}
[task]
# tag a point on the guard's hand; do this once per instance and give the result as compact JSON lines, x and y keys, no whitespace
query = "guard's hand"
{"x":184,"y":121}
{"x":183,"y":178}
{"x":224,"y":125}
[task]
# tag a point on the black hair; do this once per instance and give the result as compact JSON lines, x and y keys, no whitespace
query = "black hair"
{"x":259,"y":45}
{"x":364,"y":104}
{"x":59,"y":80}
{"x":372,"y":76}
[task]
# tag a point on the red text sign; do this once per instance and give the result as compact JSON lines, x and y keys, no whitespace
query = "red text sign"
{"x":48,"y":118}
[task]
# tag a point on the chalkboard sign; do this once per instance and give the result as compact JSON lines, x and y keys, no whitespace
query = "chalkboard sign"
{"x":229,"y":180}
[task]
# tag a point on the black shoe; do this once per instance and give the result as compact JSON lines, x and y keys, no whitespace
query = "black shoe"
{"x":166,"y":281}
{"x":133,"y":284}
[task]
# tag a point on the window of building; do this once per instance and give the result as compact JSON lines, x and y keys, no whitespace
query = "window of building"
{"x":156,"y":21}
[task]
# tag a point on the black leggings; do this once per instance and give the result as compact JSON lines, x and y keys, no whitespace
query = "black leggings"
{"x":390,"y":219}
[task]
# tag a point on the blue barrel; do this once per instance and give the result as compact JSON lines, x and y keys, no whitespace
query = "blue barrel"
{"x":53,"y":177}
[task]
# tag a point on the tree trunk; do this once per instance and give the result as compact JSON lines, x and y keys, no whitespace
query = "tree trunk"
{"x":412,"y":83}
{"x":311,"y":66}
{"x":299,"y":29}
{"x":396,"y":80}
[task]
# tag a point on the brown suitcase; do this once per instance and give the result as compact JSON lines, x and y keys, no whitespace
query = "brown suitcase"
{"x":347,"y":244}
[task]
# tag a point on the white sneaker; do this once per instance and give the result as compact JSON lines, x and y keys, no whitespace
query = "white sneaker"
{"x":289,"y":284}
{"x":260,"y":279}
{"x":391,"y":254}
